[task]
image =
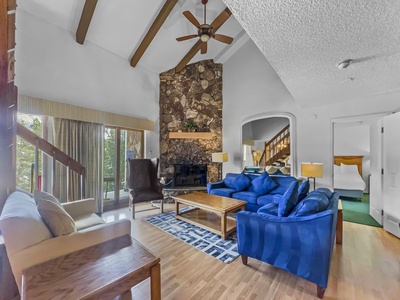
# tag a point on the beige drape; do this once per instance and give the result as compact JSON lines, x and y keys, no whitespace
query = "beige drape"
{"x":82,"y":141}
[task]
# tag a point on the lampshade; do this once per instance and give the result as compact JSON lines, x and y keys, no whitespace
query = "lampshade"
{"x":312,"y":170}
{"x":220,"y":157}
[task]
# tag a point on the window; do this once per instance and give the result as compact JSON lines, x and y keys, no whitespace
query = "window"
{"x":25,"y":157}
{"x":119,"y":145}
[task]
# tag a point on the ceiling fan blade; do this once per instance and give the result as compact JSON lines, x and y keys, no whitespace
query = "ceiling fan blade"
{"x":222,"y":17}
{"x":191,"y":18}
{"x":203,"y":48}
{"x":187,"y":37}
{"x":223,"y":38}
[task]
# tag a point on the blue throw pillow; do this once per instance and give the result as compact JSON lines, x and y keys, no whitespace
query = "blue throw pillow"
{"x":239,"y":183}
{"x":325,"y":191}
{"x":269,"y":209}
{"x":263,"y":184}
{"x":288,"y":200}
{"x":313,"y":203}
{"x":303,"y":189}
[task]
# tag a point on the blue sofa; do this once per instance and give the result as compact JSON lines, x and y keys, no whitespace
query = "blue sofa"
{"x":299,"y":241}
{"x":257,"y":190}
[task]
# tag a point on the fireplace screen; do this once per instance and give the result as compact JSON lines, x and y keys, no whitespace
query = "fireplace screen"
{"x":190,"y":175}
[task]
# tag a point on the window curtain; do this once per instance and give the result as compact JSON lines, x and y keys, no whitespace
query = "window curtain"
{"x":83,"y":142}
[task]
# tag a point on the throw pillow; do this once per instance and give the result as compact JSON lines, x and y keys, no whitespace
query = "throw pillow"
{"x":56,"y":218}
{"x":288,"y":200}
{"x":303,"y":189}
{"x":313,"y":203}
{"x":239,"y":183}
{"x":40,"y":195}
{"x":263,"y":184}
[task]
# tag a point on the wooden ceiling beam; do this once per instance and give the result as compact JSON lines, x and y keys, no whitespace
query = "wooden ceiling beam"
{"x":86,"y":18}
{"x":196,"y":48}
{"x":154,"y":28}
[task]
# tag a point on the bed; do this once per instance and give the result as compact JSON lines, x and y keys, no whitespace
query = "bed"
{"x":348,"y":180}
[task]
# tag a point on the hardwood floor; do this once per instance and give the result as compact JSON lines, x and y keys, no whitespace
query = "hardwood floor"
{"x":366,"y":266}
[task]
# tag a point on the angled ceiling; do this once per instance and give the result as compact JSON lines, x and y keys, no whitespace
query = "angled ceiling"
{"x":119,"y":26}
{"x":302,"y":40}
{"x":305,"y":40}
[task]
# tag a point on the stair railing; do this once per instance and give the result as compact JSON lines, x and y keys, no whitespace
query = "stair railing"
{"x":278,"y":146}
{"x":57,"y":156}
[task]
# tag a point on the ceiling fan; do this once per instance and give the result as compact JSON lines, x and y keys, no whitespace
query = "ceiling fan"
{"x":206,"y":31}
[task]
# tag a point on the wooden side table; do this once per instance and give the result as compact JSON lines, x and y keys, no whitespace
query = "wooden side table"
{"x":8,"y":287}
{"x":339,"y":224}
{"x":102,"y":271}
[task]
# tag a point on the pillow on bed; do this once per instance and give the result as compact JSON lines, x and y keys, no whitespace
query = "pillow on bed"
{"x":349,"y":169}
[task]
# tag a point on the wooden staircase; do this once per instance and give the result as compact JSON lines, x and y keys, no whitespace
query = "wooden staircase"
{"x":277,"y":149}
{"x":57,"y":156}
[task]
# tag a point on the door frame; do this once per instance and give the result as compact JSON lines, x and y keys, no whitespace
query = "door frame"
{"x":293,"y":134}
{"x":367,"y":117}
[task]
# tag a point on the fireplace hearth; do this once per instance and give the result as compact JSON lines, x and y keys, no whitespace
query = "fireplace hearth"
{"x":189,"y":175}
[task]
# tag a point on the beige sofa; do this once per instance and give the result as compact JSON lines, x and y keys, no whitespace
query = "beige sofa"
{"x":29,"y":241}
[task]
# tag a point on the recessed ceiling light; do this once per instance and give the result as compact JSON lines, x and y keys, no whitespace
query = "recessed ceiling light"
{"x":344,"y":64}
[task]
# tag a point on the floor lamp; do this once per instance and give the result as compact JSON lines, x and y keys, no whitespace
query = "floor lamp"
{"x":219,"y":157}
{"x":312,"y":170}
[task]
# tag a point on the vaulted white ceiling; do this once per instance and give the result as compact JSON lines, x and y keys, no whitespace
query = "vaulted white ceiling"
{"x":305,"y":40}
{"x":119,"y":26}
{"x":302,"y":40}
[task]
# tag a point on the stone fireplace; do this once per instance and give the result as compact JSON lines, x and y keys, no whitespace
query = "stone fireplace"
{"x":192,"y":95}
{"x":189,"y":175}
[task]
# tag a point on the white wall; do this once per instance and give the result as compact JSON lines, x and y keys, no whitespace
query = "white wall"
{"x":52,"y":66}
{"x":266,"y":129}
{"x":249,"y":78}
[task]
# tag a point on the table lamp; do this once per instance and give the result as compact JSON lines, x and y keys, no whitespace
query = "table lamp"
{"x":312,"y":170}
{"x":219,"y":157}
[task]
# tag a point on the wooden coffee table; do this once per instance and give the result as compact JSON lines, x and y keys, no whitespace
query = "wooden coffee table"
{"x":102,"y":271}
{"x":210,"y":212}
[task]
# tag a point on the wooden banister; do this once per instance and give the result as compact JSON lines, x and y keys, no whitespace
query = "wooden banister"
{"x":50,"y":150}
{"x":277,"y":135}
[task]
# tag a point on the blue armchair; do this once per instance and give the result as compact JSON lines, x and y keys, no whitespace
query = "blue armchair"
{"x":301,"y":242}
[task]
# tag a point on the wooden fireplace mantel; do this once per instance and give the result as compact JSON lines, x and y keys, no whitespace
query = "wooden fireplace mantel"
{"x":191,"y":135}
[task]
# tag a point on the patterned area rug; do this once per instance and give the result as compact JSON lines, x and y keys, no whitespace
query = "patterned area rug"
{"x":201,"y":239}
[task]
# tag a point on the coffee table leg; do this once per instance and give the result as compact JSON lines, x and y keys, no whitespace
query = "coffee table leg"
{"x":176,"y":208}
{"x":223,"y":226}
{"x":155,"y":282}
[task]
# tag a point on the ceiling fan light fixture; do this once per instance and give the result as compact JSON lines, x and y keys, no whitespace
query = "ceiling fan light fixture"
{"x":204,"y":37}
{"x":344,"y":64}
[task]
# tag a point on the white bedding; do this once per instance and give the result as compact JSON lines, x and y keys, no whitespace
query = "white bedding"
{"x":348,"y":178}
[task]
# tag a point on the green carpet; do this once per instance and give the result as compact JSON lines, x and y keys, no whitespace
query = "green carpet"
{"x":358,"y":211}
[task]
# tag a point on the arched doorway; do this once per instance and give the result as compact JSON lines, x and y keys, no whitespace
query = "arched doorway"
{"x":268,"y":143}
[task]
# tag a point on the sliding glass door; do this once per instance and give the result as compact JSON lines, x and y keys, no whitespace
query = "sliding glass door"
{"x":119,"y":145}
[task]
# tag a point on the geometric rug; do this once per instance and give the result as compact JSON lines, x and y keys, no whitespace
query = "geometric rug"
{"x":203,"y":240}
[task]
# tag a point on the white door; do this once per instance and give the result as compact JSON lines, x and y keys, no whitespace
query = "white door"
{"x":375,"y":182}
{"x":391,"y":177}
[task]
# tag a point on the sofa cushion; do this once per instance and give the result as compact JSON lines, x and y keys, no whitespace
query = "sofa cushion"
{"x":325,"y":191}
{"x":37,"y":195}
{"x":56,"y":218}
{"x":265,"y":199}
{"x":269,"y":209}
{"x":283,"y":184}
{"x":313,"y":203}
{"x":263,"y":184}
{"x":288,"y":200}
{"x":250,"y":197}
{"x":303,"y":189}
{"x":19,"y":214}
{"x":238,"y":183}
{"x":226,"y":192}
{"x":86,"y":221}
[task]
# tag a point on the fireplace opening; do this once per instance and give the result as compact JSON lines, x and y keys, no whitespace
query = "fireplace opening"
{"x":190,"y":175}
